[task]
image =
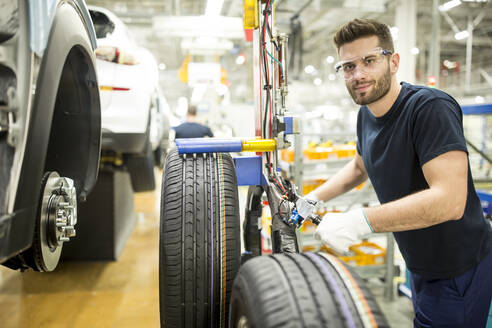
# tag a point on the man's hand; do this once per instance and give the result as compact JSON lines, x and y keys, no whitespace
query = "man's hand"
{"x":340,"y":230}
{"x":312,"y":196}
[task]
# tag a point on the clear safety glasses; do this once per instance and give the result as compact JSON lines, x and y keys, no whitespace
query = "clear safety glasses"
{"x":369,"y":63}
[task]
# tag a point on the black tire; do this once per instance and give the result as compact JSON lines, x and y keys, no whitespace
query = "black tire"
{"x":141,"y":169}
{"x":301,"y":290}
{"x":160,"y":156}
{"x":33,"y":256}
{"x":199,"y":240}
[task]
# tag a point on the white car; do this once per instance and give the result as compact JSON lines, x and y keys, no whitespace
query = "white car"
{"x":132,"y":108}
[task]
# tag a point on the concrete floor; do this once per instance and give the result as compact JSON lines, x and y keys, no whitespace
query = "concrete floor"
{"x":112,"y":294}
{"x":398,"y":312}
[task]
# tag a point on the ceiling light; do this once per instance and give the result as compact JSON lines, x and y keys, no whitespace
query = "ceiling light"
{"x":415,"y":51}
{"x":214,"y":7}
{"x":240,"y":59}
{"x":162,"y":66}
{"x":450,"y":64}
{"x":317,"y":81}
{"x":332,"y":77}
{"x":479,"y":99}
{"x":309,"y":69}
{"x":461,"y":35}
{"x":431,"y":81}
{"x":450,"y":4}
{"x":330,"y":59}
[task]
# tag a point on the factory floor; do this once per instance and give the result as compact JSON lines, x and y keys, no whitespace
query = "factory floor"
{"x":118,"y":294}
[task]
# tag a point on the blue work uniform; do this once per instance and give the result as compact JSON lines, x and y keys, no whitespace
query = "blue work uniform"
{"x":192,"y":130}
{"x":450,"y":263}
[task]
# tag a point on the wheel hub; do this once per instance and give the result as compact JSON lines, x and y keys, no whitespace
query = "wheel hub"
{"x":58,"y":216}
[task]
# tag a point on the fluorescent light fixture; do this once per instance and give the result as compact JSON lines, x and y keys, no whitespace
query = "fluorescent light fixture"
{"x":330,"y":59}
{"x":450,"y":4}
{"x":317,"y":81}
{"x":214,"y":7}
{"x":461,"y":35}
{"x":415,"y":51}
{"x":162,"y":66}
{"x":309,"y":69}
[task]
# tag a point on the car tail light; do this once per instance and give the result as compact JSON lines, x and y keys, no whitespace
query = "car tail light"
{"x":110,"y":88}
{"x":116,"y":55}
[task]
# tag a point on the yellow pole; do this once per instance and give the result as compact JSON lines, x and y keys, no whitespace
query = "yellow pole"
{"x":259,"y":145}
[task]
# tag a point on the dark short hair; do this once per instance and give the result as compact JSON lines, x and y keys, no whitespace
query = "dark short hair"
{"x":360,"y":28}
{"x":192,"y":110}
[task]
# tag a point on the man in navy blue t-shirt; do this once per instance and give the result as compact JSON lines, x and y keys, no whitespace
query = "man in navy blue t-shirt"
{"x":190,"y":128}
{"x":411,"y":146}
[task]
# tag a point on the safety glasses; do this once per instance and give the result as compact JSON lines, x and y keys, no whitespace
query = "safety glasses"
{"x":369,"y":63}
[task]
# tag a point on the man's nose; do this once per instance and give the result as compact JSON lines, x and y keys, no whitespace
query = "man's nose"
{"x":358,"y":73}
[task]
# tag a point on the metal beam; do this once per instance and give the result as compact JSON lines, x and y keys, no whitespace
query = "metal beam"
{"x":435,"y":45}
{"x":176,"y":9}
{"x":406,"y":22}
{"x":469,"y":45}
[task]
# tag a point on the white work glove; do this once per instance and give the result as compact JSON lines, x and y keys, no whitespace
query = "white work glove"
{"x":340,"y":230}
{"x":312,"y":196}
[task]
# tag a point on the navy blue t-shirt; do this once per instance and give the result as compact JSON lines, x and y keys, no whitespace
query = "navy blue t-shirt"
{"x":422,"y":124}
{"x":192,"y":130}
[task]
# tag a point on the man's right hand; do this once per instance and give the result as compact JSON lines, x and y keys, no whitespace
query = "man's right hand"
{"x":312,"y":196}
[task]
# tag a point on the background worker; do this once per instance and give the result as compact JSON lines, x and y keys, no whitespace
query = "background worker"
{"x":411,"y":146}
{"x":190,"y":128}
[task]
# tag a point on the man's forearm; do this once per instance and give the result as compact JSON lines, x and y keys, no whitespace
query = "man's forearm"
{"x":344,"y":180}
{"x":420,"y":210}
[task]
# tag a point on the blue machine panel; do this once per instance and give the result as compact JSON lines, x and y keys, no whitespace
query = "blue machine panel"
{"x":248,"y":171}
{"x":479,"y":109}
{"x":289,"y":125}
{"x":486,"y":200}
{"x":208,"y":145}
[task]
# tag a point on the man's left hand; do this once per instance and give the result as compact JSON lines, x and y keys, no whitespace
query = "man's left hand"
{"x":340,"y":230}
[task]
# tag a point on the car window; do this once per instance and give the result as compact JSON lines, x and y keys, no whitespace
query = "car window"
{"x":102,"y":24}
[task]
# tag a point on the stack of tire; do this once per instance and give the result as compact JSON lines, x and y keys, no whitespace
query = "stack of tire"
{"x":201,"y":283}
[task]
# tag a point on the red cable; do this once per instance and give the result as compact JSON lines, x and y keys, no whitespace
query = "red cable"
{"x":267,"y":67}
{"x":261,"y":93}
{"x":270,"y":93}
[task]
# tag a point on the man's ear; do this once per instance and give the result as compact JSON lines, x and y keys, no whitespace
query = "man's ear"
{"x":394,"y":63}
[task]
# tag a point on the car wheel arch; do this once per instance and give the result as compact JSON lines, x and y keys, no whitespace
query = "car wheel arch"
{"x":68,"y":37}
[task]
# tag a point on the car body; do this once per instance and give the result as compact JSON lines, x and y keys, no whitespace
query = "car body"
{"x":132,"y":122}
{"x":50,"y":127}
{"x":129,"y":87}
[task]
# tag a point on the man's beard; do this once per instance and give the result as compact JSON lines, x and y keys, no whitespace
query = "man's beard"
{"x":380,"y":89}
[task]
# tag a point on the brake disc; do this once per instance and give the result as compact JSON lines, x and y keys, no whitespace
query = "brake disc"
{"x":56,"y":220}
